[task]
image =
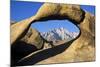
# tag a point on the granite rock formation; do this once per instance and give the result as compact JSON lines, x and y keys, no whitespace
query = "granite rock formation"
{"x":82,"y":48}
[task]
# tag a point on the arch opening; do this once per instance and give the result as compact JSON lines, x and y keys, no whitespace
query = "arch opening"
{"x":57,"y":30}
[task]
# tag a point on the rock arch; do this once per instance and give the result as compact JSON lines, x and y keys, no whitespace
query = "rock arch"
{"x":81,"y":49}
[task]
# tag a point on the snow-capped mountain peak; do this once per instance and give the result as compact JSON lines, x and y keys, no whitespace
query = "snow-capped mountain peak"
{"x":59,"y":34}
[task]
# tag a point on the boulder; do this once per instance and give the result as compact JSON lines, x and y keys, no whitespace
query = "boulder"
{"x":31,"y":42}
{"x":19,"y":29}
{"x":33,"y":37}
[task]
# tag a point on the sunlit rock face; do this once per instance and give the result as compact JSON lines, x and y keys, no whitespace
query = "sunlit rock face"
{"x":61,"y":11}
{"x":82,"y":48}
{"x":32,"y":37}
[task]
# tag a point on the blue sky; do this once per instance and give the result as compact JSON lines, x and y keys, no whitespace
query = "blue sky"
{"x":22,"y":10}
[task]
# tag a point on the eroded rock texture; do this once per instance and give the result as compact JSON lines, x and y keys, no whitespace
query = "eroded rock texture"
{"x":31,"y":42}
{"x":80,"y":49}
{"x":19,"y":29}
{"x":60,"y":11}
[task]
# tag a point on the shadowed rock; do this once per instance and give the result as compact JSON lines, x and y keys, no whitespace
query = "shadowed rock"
{"x":31,"y":42}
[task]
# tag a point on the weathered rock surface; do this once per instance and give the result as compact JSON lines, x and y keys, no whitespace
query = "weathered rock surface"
{"x":19,"y":29}
{"x":31,"y":42}
{"x":60,"y":11}
{"x":80,"y":49}
{"x":83,"y":48}
{"x":32,"y":37}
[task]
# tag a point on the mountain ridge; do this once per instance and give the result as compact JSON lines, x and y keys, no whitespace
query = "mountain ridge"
{"x":60,"y":33}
